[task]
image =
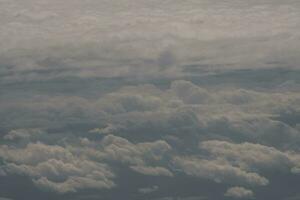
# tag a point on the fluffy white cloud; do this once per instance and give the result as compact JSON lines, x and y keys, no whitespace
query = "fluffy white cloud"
{"x":35,"y":153}
{"x":119,"y":150}
{"x":56,"y":168}
{"x":239,"y":192}
{"x":218,"y":171}
{"x":70,"y":168}
{"x":153,"y":131}
{"x":251,"y":156}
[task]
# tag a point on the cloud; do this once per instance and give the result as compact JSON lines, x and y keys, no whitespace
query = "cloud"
{"x":219,"y":171}
{"x":109,"y":129}
{"x":137,"y":156}
{"x":250,"y":156}
{"x":70,"y":168}
{"x":195,"y":89}
{"x":153,"y":131}
{"x":153,"y":171}
{"x":72,"y":184}
{"x":147,"y":190}
{"x":56,"y":168}
{"x":22,"y":134}
{"x":129,"y":47}
{"x":239,"y":192}
{"x":120,"y":149}
{"x":190,"y":93}
{"x":227,"y":135}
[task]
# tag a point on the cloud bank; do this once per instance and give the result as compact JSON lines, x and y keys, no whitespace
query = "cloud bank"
{"x":148,"y":99}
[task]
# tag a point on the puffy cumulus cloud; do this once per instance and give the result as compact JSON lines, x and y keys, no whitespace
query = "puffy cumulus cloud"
{"x":34,"y":153}
{"x":190,"y":93}
{"x":154,"y":131}
{"x":84,"y":165}
{"x":184,"y":107}
{"x":188,"y":109}
{"x":218,"y":171}
{"x":251,"y":156}
{"x":239,"y":192}
{"x":138,"y":156}
{"x":56,"y":168}
{"x":120,"y":149}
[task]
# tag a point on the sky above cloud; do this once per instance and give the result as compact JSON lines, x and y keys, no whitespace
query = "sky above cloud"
{"x":149,"y":100}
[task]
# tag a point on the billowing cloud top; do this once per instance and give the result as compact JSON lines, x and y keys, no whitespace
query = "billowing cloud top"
{"x":139,"y":99}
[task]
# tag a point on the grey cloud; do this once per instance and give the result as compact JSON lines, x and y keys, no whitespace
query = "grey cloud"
{"x":153,"y":171}
{"x":72,"y":184}
{"x":22,"y":134}
{"x":190,"y":93}
{"x":97,"y":44}
{"x":147,"y":190}
{"x":109,"y":129}
{"x":203,"y":91}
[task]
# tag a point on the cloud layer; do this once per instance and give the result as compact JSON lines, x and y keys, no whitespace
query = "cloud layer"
{"x":139,"y":99}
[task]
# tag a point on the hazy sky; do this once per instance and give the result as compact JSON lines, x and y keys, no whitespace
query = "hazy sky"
{"x":149,"y":100}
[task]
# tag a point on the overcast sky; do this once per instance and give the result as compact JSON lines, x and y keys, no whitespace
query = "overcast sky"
{"x":149,"y":100}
